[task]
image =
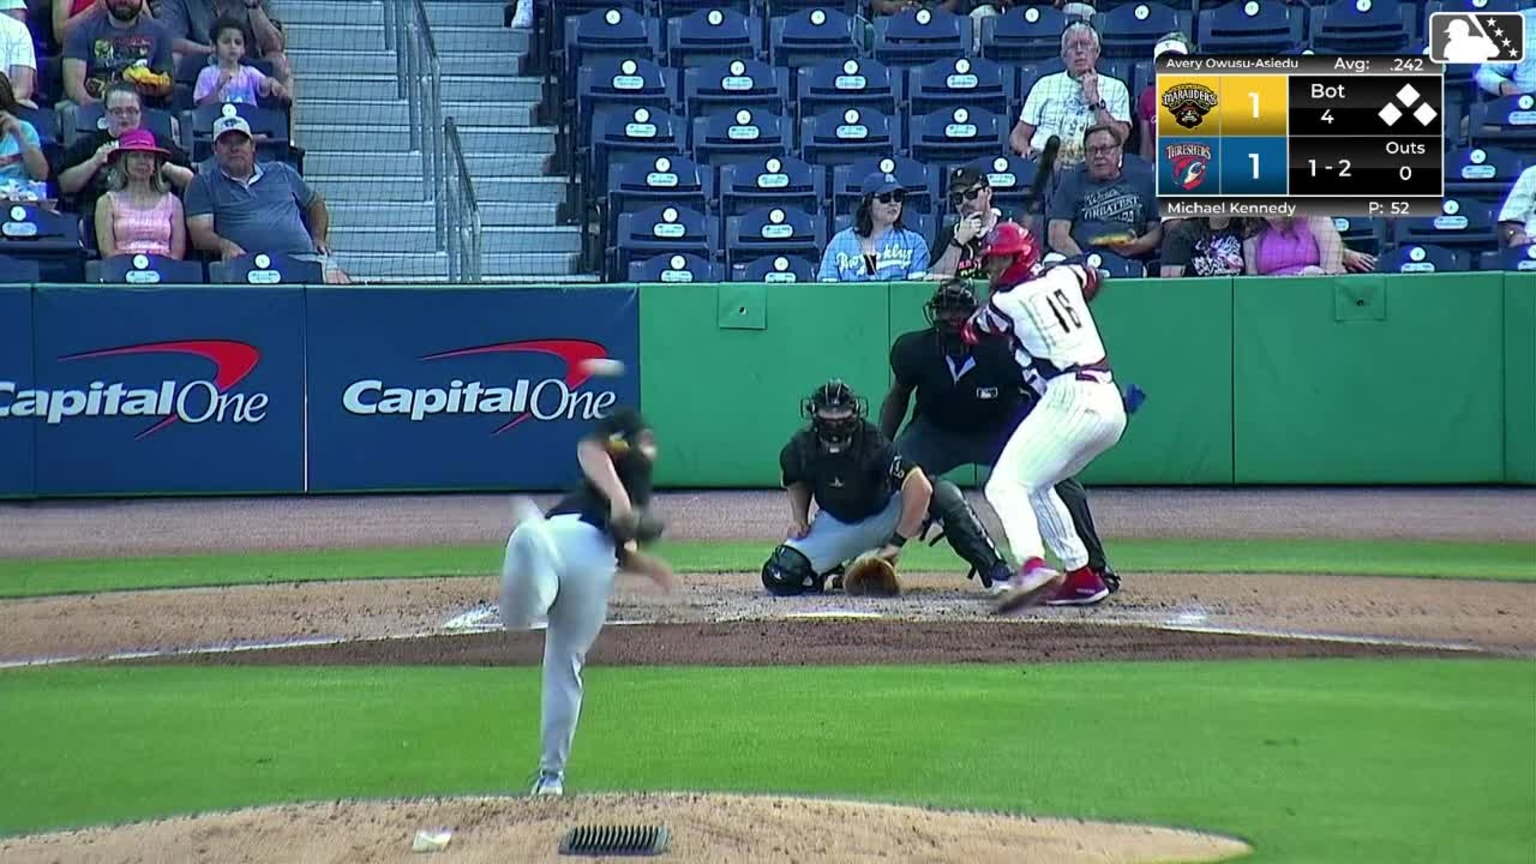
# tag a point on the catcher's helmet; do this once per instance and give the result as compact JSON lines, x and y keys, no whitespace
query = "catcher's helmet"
{"x":836,"y":414}
{"x":1010,"y":240}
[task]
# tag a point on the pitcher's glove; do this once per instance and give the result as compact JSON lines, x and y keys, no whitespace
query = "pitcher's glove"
{"x":871,"y":576}
{"x":641,"y":526}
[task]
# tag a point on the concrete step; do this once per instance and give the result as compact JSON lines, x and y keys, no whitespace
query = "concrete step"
{"x":324,"y":162}
{"x":340,"y":62}
{"x":378,"y":112}
{"x":521,"y":139}
{"x":434,"y":266}
{"x":355,"y":12}
{"x":544,"y":190}
{"x":421,"y":214}
{"x":507,"y":241}
{"x":370,"y":37}
{"x":456,"y":88}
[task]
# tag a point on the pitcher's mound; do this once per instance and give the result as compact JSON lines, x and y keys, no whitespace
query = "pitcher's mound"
{"x":703,"y":829}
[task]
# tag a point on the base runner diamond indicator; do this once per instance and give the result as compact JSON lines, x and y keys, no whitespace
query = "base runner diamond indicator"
{"x":1390,"y":114}
{"x":1408,"y":95}
{"x":1426,"y":114}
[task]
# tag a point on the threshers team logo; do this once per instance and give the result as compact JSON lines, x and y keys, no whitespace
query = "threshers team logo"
{"x":1190,"y":163}
{"x":194,"y":402}
{"x":1189,"y":103}
{"x":553,"y":398}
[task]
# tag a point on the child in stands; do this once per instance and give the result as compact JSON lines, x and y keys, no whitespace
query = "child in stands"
{"x":228,"y":79}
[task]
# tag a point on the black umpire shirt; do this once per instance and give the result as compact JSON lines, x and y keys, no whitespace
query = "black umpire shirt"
{"x":979,"y":393}
{"x":853,"y":485}
{"x":587,"y":501}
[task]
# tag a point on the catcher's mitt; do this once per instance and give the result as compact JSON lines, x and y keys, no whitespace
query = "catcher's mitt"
{"x":871,"y":576}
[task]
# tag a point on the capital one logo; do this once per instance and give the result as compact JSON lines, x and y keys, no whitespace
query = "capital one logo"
{"x":194,"y":401}
{"x":521,"y":399}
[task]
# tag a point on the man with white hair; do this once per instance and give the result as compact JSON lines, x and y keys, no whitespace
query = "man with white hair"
{"x":1067,"y":103}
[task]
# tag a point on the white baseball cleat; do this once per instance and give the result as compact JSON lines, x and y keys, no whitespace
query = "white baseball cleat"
{"x":548,"y":784}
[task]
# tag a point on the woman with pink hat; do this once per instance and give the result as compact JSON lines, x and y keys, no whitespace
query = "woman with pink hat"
{"x":139,"y":215}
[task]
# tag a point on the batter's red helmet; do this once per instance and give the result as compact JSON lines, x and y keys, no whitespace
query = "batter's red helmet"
{"x":1010,"y":239}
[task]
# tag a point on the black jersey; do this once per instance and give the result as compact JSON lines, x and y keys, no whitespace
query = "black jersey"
{"x":971,"y":265}
{"x":853,"y":485}
{"x":978,"y":392}
{"x":619,"y":431}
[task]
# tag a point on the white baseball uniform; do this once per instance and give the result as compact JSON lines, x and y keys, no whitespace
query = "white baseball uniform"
{"x":1080,"y":413}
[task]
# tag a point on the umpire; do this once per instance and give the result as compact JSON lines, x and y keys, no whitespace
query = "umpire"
{"x":969,"y":400}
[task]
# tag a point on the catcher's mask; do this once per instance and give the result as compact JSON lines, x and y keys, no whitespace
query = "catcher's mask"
{"x":836,"y":414}
{"x":947,"y":311}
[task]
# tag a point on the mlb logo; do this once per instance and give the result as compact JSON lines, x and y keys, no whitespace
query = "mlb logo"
{"x":1462,"y":38}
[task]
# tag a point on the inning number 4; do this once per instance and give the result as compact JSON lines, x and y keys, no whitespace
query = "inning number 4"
{"x":1061,"y":307}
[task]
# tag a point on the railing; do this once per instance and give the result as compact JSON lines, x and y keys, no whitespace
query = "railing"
{"x":463,"y":213}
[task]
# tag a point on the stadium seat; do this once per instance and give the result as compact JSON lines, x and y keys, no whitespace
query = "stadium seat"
{"x":92,"y":117}
{"x":612,"y":31}
{"x":19,"y":271}
{"x":1434,"y":6}
{"x":962,"y":81}
{"x":1485,"y":173}
{"x":1023,"y":34}
{"x":1029,"y":75}
{"x":810,"y":36}
{"x":922,"y":223}
{"x":1506,"y":121}
{"x":50,"y":79}
{"x":678,"y":8}
{"x":777,"y":268}
{"x":844,"y":136}
{"x":263,"y":268}
{"x":646,"y":181}
{"x":1464,"y":223}
{"x":678,"y":267}
{"x":44,"y":120}
{"x":847,"y":82}
{"x":713,"y":33}
{"x":144,"y":270}
{"x":773,"y":231}
{"x":725,"y":135}
{"x":623,"y":82}
{"x":1133,"y":30}
{"x":1010,"y":177}
{"x":921,"y":36}
{"x":1511,"y":259}
{"x":51,"y":240}
{"x":1416,"y":258}
{"x":1382,"y":27}
{"x":1251,"y":27}
{"x":956,"y":135}
{"x":773,"y":182}
{"x":1362,"y":234}
{"x":736,"y":84}
{"x":1112,"y":265}
{"x":663,"y":229}
{"x":619,"y":132}
{"x":269,"y":128}
{"x":920,"y":182}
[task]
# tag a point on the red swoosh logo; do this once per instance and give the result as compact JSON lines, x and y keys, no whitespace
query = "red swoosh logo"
{"x":572,"y":352}
{"x":232,"y":361}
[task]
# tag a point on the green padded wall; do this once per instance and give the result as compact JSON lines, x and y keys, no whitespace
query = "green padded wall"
{"x":1520,"y":378}
{"x":1369,"y":379}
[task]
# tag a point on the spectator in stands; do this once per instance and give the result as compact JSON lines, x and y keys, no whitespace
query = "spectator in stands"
{"x":1517,"y":218}
{"x":876,"y":247}
{"x":1146,"y":103}
{"x":1508,"y":79}
{"x":69,"y":15}
{"x":84,"y":173}
{"x":194,"y":25}
{"x":139,"y":214}
{"x":1204,"y":247}
{"x":956,"y":251}
{"x":106,"y":49}
{"x":21,"y":154}
{"x":518,"y":15}
{"x":241,"y":206}
{"x":18,"y":59}
{"x":1102,"y":206}
{"x":1067,"y":103}
{"x":230,"y":80}
{"x":1285,"y":246}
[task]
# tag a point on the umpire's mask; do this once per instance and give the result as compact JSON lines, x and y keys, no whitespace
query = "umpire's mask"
{"x":947,"y":311}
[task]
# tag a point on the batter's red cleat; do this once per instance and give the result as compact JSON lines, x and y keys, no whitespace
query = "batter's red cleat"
{"x":1082,"y":587}
{"x":1034,"y":583}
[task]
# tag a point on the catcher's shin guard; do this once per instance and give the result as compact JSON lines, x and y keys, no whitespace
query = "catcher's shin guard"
{"x":966,"y":534}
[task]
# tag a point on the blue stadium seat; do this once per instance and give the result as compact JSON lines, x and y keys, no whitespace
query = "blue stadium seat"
{"x":1507,"y":121}
{"x":646,"y":181}
{"x":678,"y":8}
{"x":921,"y":36}
{"x":270,"y":129}
{"x":771,"y":231}
{"x":736,"y":84}
{"x":920,"y":182}
{"x":1023,"y":34}
{"x":619,"y":132}
{"x":777,"y":269}
{"x":261,"y":268}
{"x":922,"y":223}
{"x":1133,"y":30}
{"x":962,"y":81}
{"x":712,"y":33}
{"x":677,"y":267}
{"x":1362,"y":234}
{"x":1385,"y":27}
{"x":844,"y":136}
{"x":773,"y":182}
{"x":725,"y":136}
{"x":809,"y":36}
{"x":1486,"y":173}
{"x":1434,"y":6}
{"x":615,"y":32}
{"x":50,"y":79}
{"x":1029,"y":75}
{"x":847,"y":82}
{"x":1511,"y":259}
{"x":1416,"y":258}
{"x":663,"y":229}
{"x":45,"y":121}
{"x":1112,"y":265}
{"x":90,"y":118}
{"x":50,"y":239}
{"x":1251,"y":27}
{"x":628,"y":81}
{"x":1009,"y":176}
{"x":1463,"y":223}
{"x":956,"y":135}
{"x":144,"y":270}
{"x":19,"y":271}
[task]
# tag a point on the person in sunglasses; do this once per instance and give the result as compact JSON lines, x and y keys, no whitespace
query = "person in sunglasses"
{"x":877,"y":247}
{"x":957,"y":250}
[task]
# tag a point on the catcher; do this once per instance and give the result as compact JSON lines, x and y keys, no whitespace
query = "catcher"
{"x":867,"y":497}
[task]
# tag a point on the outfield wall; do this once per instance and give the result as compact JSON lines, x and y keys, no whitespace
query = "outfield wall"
{"x":235,"y":390}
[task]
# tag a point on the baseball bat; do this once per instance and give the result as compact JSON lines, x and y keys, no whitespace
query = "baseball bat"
{"x":1045,"y":164}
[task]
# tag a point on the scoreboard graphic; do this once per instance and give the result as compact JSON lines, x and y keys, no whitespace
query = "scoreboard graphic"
{"x":1303,"y":135}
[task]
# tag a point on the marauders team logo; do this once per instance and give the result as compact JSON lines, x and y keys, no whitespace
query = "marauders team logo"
{"x":1189,"y":103}
{"x":1190,"y":163}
